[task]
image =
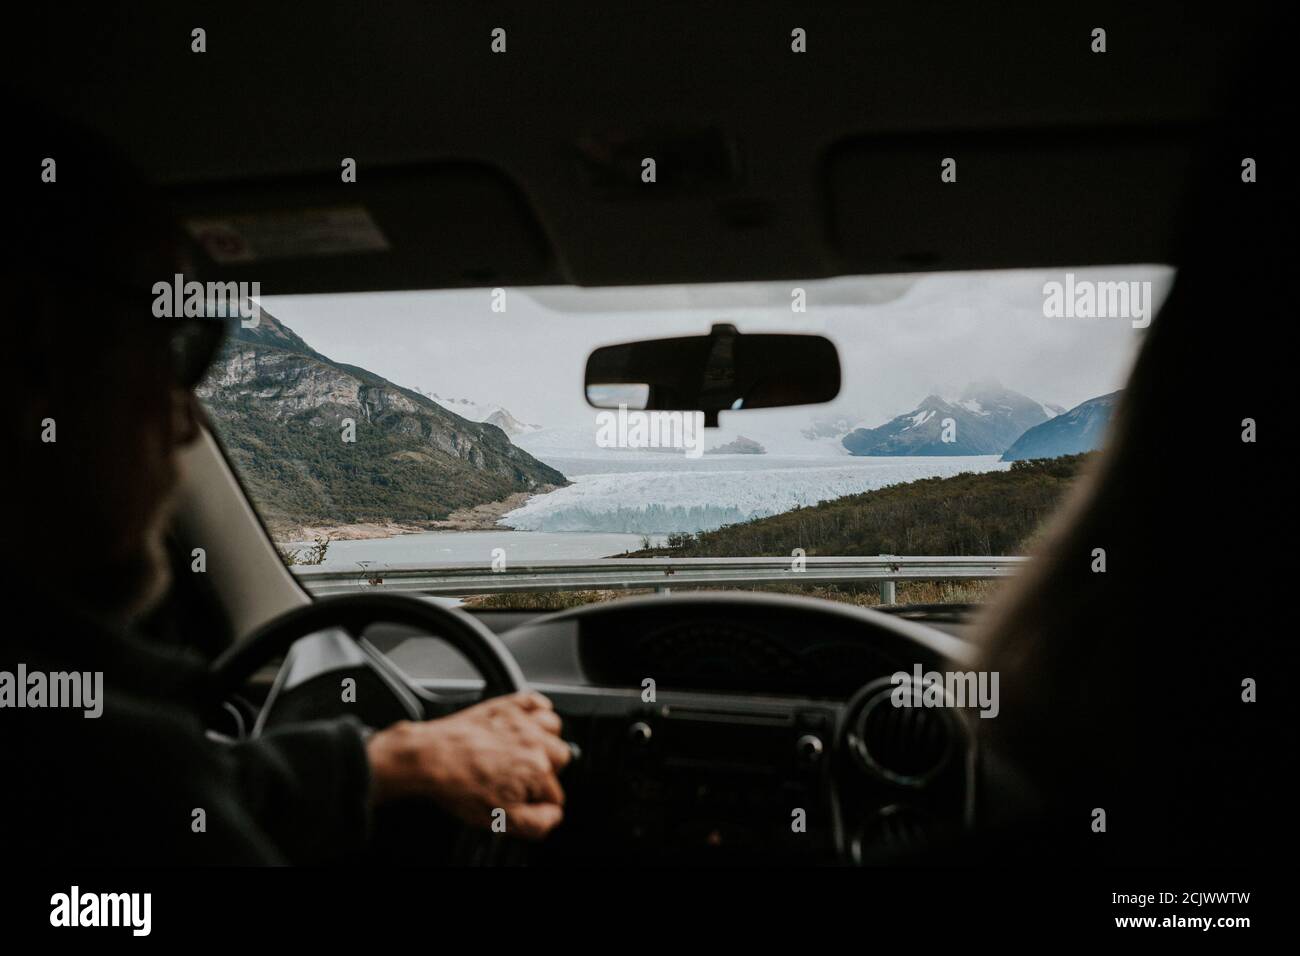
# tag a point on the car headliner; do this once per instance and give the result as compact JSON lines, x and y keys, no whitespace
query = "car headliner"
{"x":523,"y":168}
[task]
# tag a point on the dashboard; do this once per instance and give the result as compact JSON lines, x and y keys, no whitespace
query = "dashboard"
{"x":726,"y":727}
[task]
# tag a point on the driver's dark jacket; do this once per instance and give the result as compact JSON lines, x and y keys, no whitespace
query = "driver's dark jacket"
{"x":124,"y":788}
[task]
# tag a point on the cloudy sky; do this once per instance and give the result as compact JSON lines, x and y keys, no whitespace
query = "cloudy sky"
{"x":899,"y":337}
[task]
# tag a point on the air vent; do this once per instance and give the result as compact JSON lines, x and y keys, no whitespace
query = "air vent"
{"x":894,"y":829}
{"x":906,"y":746}
{"x":900,"y":827}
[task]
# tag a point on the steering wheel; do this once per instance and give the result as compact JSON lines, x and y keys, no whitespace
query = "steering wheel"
{"x":353,"y":614}
{"x":356,"y":612}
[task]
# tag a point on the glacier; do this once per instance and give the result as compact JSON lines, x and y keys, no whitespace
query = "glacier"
{"x":669,"y":494}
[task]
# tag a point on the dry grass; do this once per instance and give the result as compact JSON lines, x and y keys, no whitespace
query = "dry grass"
{"x":863,"y":595}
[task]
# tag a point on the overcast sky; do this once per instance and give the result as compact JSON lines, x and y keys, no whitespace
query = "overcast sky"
{"x":899,"y":337}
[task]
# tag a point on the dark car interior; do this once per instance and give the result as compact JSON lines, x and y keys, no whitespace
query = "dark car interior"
{"x":525,"y":170}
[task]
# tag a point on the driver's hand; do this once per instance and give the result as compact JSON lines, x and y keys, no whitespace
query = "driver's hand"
{"x":500,"y":755}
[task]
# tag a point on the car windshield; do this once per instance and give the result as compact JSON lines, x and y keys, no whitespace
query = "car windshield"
{"x":441,"y":441}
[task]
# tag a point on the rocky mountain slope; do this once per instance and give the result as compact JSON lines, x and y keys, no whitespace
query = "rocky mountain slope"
{"x":1081,"y":429}
{"x":739,"y":446}
{"x":279,"y":407}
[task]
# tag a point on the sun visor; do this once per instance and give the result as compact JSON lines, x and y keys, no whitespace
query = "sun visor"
{"x":1007,"y":200}
{"x":433,"y":226}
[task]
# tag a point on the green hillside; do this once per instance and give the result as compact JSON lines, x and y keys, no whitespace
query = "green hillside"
{"x":989,"y":513}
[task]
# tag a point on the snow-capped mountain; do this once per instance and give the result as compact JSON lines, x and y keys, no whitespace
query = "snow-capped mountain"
{"x":833,"y":427}
{"x":985,"y":420}
{"x":508,"y":423}
{"x":488,"y":414}
{"x":1080,"y":429}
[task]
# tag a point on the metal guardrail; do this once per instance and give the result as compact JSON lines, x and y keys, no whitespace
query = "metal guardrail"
{"x":660,"y":574}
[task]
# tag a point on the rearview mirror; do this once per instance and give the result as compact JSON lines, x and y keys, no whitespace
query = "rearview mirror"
{"x":721,"y":371}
